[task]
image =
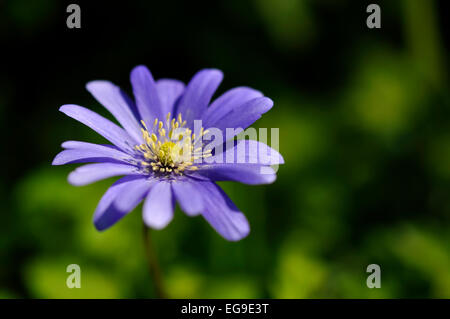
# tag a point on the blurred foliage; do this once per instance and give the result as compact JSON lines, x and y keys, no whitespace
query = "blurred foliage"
{"x":364,"y":129}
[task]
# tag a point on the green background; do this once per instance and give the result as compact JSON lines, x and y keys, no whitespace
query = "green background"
{"x":364,"y":130}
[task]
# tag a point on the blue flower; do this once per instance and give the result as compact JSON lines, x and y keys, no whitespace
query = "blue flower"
{"x":163,"y":157}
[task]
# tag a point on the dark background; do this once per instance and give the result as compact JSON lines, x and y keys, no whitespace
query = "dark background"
{"x":364,"y":130}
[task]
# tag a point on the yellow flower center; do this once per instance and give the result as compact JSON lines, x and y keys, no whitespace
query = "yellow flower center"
{"x":170,"y":152}
{"x":170,"y":146}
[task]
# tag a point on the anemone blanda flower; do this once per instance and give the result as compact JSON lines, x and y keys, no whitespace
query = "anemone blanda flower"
{"x":163,"y":160}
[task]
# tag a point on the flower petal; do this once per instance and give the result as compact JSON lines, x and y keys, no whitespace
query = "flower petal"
{"x":169,"y":91}
{"x":222,"y":214}
{"x":246,"y":152}
{"x":90,"y":173}
{"x":82,"y":156}
{"x":102,"y":126}
{"x":146,"y":94}
{"x":188,"y":196}
{"x":244,"y":115}
{"x":80,"y":152}
{"x":118,"y":104}
{"x":244,"y":173}
{"x":227,"y":102}
{"x":107,"y":214}
{"x":159,"y":206}
{"x":132,"y":195}
{"x":198,"y":93}
{"x":90,"y":146}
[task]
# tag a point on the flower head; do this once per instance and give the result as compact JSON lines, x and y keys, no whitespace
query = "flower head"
{"x":164,"y":156}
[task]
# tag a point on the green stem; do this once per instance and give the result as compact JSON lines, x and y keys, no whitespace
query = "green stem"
{"x":153,"y":265}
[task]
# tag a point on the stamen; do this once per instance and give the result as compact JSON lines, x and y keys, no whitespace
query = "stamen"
{"x":165,"y":152}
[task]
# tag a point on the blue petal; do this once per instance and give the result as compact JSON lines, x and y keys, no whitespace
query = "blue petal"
{"x":246,"y":152}
{"x":159,"y":206}
{"x":115,"y":101}
{"x":133,"y":194}
{"x":169,"y":92}
{"x":228,"y":102}
{"x":244,"y":173}
{"x":197,"y":95}
{"x":146,"y":94}
{"x":80,"y":152}
{"x":244,"y":115}
{"x":102,"y":126}
{"x":222,"y":214}
{"x":188,"y":196}
{"x":107,"y":214}
{"x":91,"y":173}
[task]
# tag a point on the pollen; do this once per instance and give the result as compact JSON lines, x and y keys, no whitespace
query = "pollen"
{"x":170,"y":147}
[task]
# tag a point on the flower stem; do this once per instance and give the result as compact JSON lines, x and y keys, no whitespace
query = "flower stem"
{"x":153,"y":265}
